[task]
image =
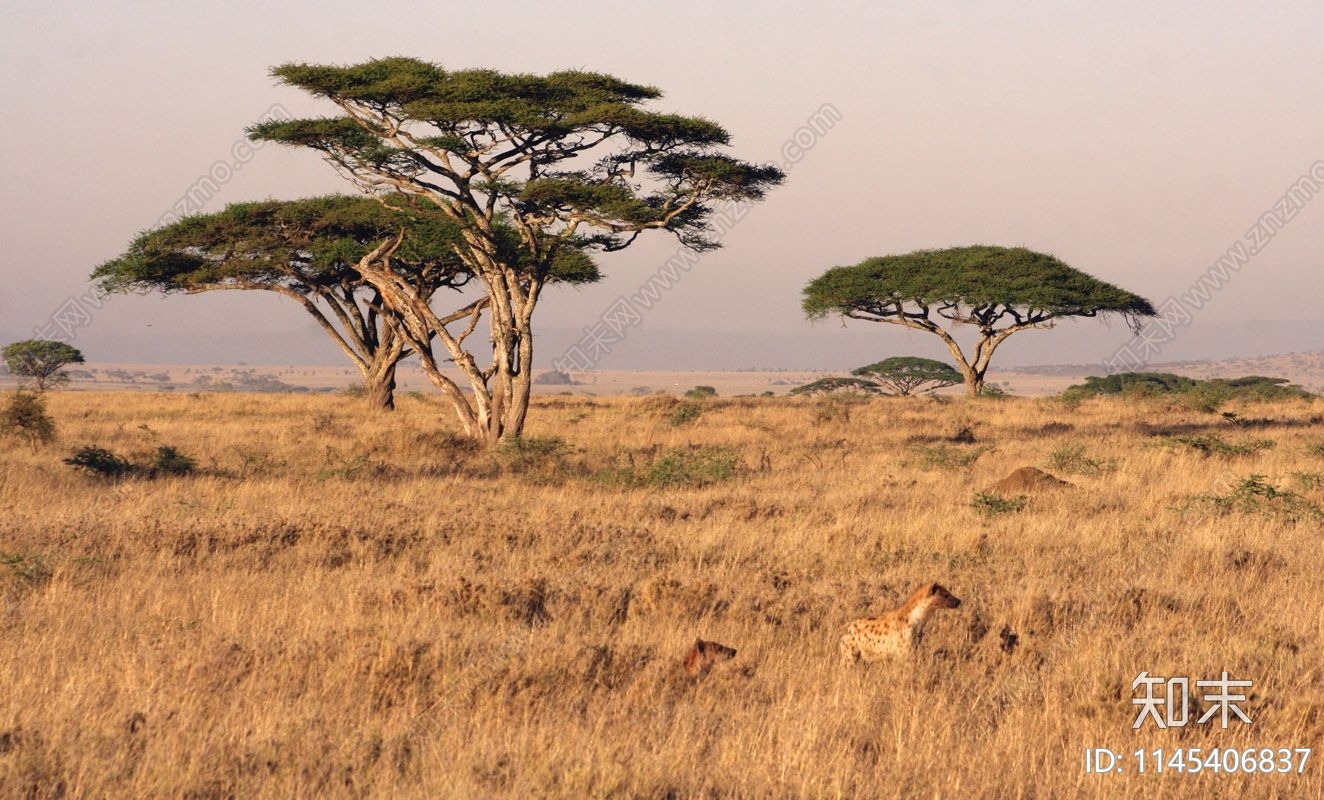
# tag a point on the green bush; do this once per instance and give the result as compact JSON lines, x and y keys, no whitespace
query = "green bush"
{"x":101,"y":462}
{"x":171,"y":461}
{"x":690,"y":467}
{"x":1072,"y":459}
{"x":1256,"y":495}
{"x":946,"y":456}
{"x":533,"y":447}
{"x":1206,"y":395}
{"x":685,"y":413}
{"x":106,"y":464}
{"x":993,"y":504}
{"x":696,"y":467}
{"x":1209,"y":444}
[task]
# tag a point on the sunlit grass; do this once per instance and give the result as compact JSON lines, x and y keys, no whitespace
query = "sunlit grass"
{"x":336,"y":603}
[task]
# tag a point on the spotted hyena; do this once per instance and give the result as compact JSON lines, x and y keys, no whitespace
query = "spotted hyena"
{"x":896,"y":632}
{"x":703,"y":656}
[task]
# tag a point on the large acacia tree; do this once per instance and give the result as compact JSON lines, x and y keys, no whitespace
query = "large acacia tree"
{"x":571,"y":160}
{"x":315,"y":251}
{"x":997,"y":291}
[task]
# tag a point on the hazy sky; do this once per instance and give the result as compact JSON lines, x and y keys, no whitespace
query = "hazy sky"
{"x":1136,"y":143}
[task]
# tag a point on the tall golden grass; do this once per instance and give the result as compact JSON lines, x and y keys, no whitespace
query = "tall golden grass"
{"x":346,"y":604}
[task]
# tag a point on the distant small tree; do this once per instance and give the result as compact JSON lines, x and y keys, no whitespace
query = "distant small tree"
{"x":995,"y":290}
{"x":41,"y":360}
{"x":902,"y":375}
{"x":835,"y":385}
{"x":554,"y":378}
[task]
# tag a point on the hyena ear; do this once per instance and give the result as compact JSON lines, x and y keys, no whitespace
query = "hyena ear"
{"x":935,"y":588}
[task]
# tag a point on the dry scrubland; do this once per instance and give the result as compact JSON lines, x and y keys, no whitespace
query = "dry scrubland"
{"x":343,"y":605}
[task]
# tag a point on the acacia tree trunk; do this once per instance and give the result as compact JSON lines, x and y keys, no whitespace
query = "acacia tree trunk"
{"x":479,"y":412}
{"x":379,"y":387}
{"x":972,"y":369}
{"x":498,"y":400}
{"x":372,"y":341}
{"x":974,"y":381}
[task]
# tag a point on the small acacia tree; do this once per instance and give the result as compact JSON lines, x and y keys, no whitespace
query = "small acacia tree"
{"x":995,"y":290}
{"x":42,"y":361}
{"x":314,"y":251}
{"x":904,"y":374}
{"x":833,"y":385}
{"x":570,"y":160}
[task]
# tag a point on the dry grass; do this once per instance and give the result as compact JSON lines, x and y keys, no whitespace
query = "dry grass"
{"x":344,"y":605}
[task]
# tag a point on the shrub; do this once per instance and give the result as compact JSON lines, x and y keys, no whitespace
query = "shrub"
{"x":678,"y":468}
{"x":700,"y":392}
{"x":533,"y":447}
{"x":170,"y":460}
{"x":1133,"y":384}
{"x":26,"y":417}
{"x":944,"y":456}
{"x":1256,"y":495}
{"x":30,"y":570}
{"x":1211,"y":444}
{"x":993,"y":504}
{"x":698,"y":466}
{"x":685,"y":413}
{"x":1308,"y":481}
{"x":1201,"y":394}
{"x":106,"y":464}
{"x":836,"y":407}
{"x":539,"y":458}
{"x":1072,"y":459}
{"x":99,"y":461}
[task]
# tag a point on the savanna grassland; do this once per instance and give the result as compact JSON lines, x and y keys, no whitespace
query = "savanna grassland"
{"x":340,"y":604}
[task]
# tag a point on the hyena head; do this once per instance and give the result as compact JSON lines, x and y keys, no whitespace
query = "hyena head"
{"x":939,"y":597}
{"x":704,"y":655}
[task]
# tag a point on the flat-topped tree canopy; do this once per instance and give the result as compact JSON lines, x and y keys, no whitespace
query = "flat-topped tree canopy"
{"x":571,"y":160}
{"x":981,"y":284}
{"x":904,"y":374}
{"x":997,"y":290}
{"x":315,"y":251}
{"x":305,"y":245}
{"x":486,"y":140}
{"x":299,"y":245}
